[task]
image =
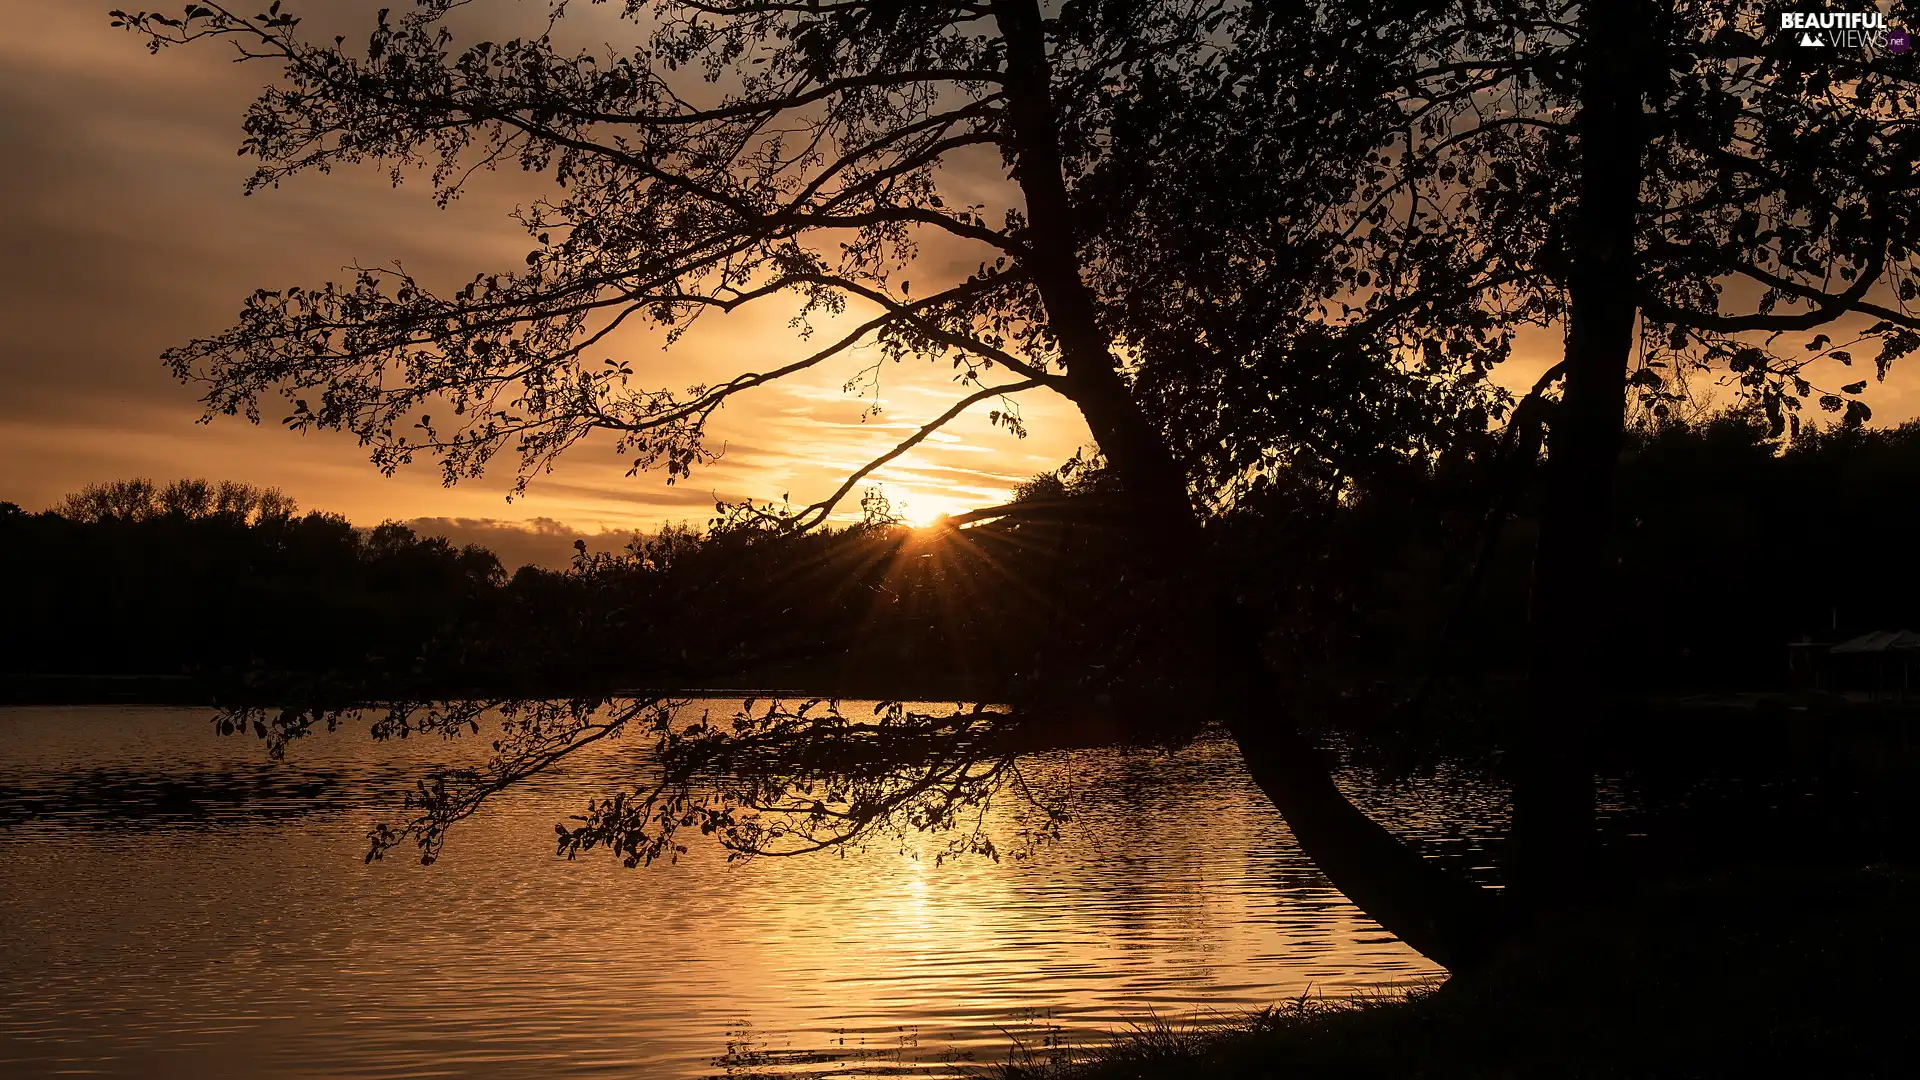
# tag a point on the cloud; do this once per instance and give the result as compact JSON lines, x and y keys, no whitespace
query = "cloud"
{"x":126,"y":233}
{"x":541,"y":542}
{"x":121,"y":208}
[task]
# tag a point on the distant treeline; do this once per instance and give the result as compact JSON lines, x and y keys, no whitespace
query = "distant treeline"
{"x":1729,"y":548}
{"x":227,"y":584}
{"x":1726,"y":547}
{"x":216,"y":579}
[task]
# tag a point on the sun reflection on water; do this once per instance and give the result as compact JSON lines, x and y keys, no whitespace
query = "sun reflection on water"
{"x":211,"y":915}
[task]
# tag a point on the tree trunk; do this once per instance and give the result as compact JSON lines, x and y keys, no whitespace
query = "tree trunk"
{"x":1445,"y":917}
{"x":1554,"y":846}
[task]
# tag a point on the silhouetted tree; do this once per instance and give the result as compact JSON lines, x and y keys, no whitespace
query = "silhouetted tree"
{"x":1684,"y":188}
{"x":143,"y":500}
{"x":822,"y":124}
{"x":210,"y":580}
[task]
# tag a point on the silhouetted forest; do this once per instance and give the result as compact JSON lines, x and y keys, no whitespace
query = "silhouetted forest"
{"x":1269,"y":254}
{"x":1731,"y":546}
{"x":214,"y":580}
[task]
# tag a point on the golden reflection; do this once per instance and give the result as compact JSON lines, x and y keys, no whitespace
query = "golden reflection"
{"x":1174,"y":889}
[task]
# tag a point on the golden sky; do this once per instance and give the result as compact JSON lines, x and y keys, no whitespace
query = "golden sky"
{"x":129,"y":234}
{"x":126,"y":232}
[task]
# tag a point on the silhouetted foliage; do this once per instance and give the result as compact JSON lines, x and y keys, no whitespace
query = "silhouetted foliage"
{"x":1269,"y":252}
{"x":1682,"y":188}
{"x":191,"y":500}
{"x":829,"y":130}
{"x":217,"y":580}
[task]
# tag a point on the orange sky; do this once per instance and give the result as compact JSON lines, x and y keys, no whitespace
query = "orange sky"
{"x":127,"y":233}
{"x":130,"y":234}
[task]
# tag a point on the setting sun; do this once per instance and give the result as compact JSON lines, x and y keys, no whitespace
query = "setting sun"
{"x":1062,"y":539}
{"x":925,"y":510}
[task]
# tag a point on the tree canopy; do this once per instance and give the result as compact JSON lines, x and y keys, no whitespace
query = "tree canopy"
{"x":1252,"y":244}
{"x":744,"y":154}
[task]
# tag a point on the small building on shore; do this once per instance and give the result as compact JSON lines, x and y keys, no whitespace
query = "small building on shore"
{"x":1879,"y":661}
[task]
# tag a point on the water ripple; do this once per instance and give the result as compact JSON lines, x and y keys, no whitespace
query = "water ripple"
{"x":179,"y":907}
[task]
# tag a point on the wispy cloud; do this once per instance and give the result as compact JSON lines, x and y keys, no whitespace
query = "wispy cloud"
{"x":129,"y":233}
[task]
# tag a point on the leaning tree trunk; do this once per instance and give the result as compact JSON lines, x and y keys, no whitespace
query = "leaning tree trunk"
{"x":1554,"y":844}
{"x":1444,"y":916}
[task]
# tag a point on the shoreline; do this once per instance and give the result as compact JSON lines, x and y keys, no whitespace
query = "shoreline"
{"x":190,"y":692}
{"x":1761,"y":971}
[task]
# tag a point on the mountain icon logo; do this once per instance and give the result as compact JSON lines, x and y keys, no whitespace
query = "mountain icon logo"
{"x":1811,"y":39}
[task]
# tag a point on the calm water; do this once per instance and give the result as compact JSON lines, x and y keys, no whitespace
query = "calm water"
{"x":173,"y":905}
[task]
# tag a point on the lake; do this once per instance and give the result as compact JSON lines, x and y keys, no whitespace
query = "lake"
{"x":178,"y":906}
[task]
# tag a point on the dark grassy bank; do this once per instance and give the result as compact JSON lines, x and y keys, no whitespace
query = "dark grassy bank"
{"x":1776,"y":971}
